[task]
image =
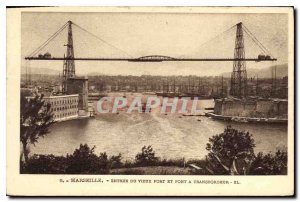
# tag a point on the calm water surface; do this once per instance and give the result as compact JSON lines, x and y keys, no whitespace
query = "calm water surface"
{"x":171,"y":136}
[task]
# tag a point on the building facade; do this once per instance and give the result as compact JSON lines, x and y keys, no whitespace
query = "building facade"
{"x":63,"y":107}
{"x":256,"y":108}
{"x":79,"y":85}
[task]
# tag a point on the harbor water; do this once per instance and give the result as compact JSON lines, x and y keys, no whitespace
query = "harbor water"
{"x":172,"y":136}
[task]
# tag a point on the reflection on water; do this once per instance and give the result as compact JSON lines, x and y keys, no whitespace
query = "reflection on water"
{"x":171,"y":136}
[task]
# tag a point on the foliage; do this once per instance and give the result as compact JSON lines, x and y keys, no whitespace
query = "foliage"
{"x":45,"y":164}
{"x":85,"y":161}
{"x":230,"y":152}
{"x":269,"y":164}
{"x":146,"y":157}
{"x":104,"y":161}
{"x":35,"y":120}
{"x":115,"y":161}
{"x":82,"y":161}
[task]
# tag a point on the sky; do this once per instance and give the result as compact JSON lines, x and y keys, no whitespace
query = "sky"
{"x":140,"y":34}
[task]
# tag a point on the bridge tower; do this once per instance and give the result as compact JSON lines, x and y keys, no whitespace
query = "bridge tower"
{"x":69,"y":65}
{"x":239,"y":73}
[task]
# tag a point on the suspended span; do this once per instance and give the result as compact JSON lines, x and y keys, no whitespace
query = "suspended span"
{"x":155,"y":58}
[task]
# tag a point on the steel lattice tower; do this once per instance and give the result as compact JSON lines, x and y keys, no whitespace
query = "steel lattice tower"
{"x":239,"y":73}
{"x":69,"y":65}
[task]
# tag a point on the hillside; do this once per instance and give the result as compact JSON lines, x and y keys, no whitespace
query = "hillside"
{"x":38,"y":70}
{"x":282,"y":70}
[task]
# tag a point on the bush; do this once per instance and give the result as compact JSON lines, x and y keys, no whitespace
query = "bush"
{"x":146,"y":157}
{"x":44,"y":164}
{"x":230,"y":152}
{"x":84,"y":161}
{"x":269,"y":164}
{"x":104,"y":162}
{"x":115,"y":161}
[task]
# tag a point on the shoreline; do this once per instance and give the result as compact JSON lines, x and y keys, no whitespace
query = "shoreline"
{"x":246,"y":119}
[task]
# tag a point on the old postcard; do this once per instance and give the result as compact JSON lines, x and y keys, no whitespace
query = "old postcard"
{"x":150,"y":101}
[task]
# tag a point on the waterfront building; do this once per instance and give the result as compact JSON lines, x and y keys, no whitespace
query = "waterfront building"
{"x":64,"y":107}
{"x":79,"y":85}
{"x":254,"y":108}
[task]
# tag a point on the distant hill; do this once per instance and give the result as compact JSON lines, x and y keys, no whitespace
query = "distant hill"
{"x":37,"y":70}
{"x":281,"y":71}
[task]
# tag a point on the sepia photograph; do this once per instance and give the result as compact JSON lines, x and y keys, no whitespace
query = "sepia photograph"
{"x":131,"y":92}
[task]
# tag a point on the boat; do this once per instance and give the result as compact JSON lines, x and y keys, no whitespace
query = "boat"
{"x":170,"y":94}
{"x":96,"y":96}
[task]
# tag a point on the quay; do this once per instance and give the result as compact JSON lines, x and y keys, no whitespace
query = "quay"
{"x":246,"y":119}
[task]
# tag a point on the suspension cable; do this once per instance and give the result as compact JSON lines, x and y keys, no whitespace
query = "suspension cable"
{"x":252,"y":36}
{"x":214,"y":38}
{"x":48,"y":40}
{"x":255,"y":42}
{"x":103,"y":41}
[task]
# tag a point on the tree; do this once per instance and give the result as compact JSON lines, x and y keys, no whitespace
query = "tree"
{"x":230,"y":152}
{"x":146,"y":157}
{"x":103,"y":158}
{"x":85,"y":161}
{"x":115,"y":161}
{"x":35,"y":120}
{"x":269,"y":164}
